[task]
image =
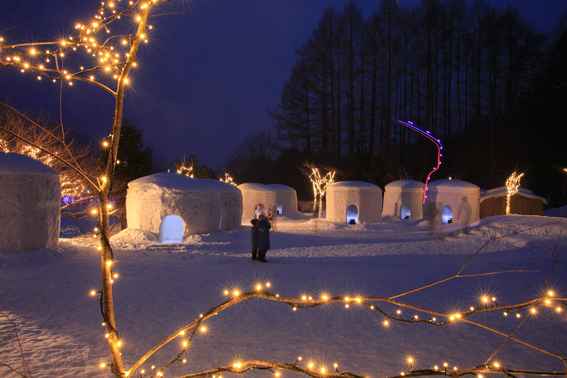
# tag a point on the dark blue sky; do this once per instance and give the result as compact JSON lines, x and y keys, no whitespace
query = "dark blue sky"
{"x":208,"y":76}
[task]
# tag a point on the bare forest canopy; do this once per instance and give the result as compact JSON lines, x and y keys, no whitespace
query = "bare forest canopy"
{"x":478,"y":77}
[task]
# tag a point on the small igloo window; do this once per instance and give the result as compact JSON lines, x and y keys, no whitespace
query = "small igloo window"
{"x":259,"y":210}
{"x":171,"y":229}
{"x":446,"y":214}
{"x":405,"y":211}
{"x":352,"y":214}
{"x":279,"y":207}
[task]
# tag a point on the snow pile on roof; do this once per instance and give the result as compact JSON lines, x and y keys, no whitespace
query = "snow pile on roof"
{"x":447,"y":185}
{"x":405,"y":185}
{"x":203,"y":205}
{"x":286,"y":197}
{"x":503,"y":192}
{"x":30,"y":193}
{"x":347,"y":200}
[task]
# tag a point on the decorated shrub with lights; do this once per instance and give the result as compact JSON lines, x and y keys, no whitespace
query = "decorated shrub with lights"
{"x":454,"y":201}
{"x":203,"y":205}
{"x":286,"y":197}
{"x":30,"y":193}
{"x":403,"y":198}
{"x":354,"y":201}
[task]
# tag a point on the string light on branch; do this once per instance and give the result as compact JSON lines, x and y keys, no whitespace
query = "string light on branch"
{"x":228,"y":179}
{"x":512,"y":185}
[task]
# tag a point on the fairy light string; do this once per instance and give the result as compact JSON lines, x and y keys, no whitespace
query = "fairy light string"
{"x":320,"y":184}
{"x":546,"y":300}
{"x":228,"y":179}
{"x":512,"y":186}
{"x":110,"y":58}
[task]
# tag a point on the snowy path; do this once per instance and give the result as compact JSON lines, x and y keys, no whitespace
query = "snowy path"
{"x":159,"y":291}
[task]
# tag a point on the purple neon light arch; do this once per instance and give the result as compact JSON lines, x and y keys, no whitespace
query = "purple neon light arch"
{"x":437,"y":142}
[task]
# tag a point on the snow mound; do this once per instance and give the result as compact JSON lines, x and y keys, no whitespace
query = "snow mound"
{"x":556,"y":212}
{"x":133,"y":235}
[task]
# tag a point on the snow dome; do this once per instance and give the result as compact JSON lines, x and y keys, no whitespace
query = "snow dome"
{"x":354,"y":201}
{"x":286,"y":198}
{"x":452,"y":201}
{"x":176,"y":206}
{"x":30,"y":193}
{"x":404,"y":199}
{"x":256,"y":199}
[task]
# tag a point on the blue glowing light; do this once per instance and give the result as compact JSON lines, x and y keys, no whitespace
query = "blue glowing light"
{"x":437,"y":142}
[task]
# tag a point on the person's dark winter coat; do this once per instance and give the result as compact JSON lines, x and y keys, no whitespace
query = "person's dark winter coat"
{"x":264,"y":234}
{"x":263,"y":238}
{"x":254,"y":238}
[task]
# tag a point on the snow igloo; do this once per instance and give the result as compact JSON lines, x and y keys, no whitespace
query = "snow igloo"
{"x":30,"y":193}
{"x":176,"y":206}
{"x":404,"y":199}
{"x":256,"y":199}
{"x":286,"y":198}
{"x":354,"y":201}
{"x":452,"y":201}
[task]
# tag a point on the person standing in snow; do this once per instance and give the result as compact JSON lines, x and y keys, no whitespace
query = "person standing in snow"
{"x":263,"y":237}
{"x":254,"y":238}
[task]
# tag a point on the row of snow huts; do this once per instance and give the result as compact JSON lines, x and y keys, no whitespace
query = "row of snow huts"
{"x":175,"y":206}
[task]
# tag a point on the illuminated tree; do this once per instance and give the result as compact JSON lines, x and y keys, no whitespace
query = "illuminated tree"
{"x":15,"y":127}
{"x":134,"y":160}
{"x":108,"y":44}
{"x":41,"y":131}
{"x":320,"y":183}
{"x":512,"y":184}
{"x":228,"y":179}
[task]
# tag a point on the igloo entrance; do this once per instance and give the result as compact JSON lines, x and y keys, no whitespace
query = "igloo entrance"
{"x":171,"y":229}
{"x":446,"y":214}
{"x":279,"y":207}
{"x":405,"y":211}
{"x":352,"y":214}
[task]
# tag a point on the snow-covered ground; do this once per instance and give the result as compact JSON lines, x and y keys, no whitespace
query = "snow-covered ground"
{"x":165,"y":286}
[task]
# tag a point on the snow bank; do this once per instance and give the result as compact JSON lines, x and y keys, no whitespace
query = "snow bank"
{"x":30,"y":193}
{"x":203,"y":205}
{"x":354,"y":201}
{"x":404,"y":198}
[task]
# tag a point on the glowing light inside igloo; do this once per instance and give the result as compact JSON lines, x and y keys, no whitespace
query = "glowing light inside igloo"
{"x":171,"y":229}
{"x":405,"y":211}
{"x":446,"y":214}
{"x":352,"y":214}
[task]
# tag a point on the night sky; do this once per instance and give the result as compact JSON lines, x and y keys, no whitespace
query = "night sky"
{"x":207,"y":77}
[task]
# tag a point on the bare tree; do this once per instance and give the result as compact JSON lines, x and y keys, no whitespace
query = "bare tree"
{"x":252,"y":158}
{"x":320,"y":183}
{"x":39,"y":130}
{"x":116,"y":55}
